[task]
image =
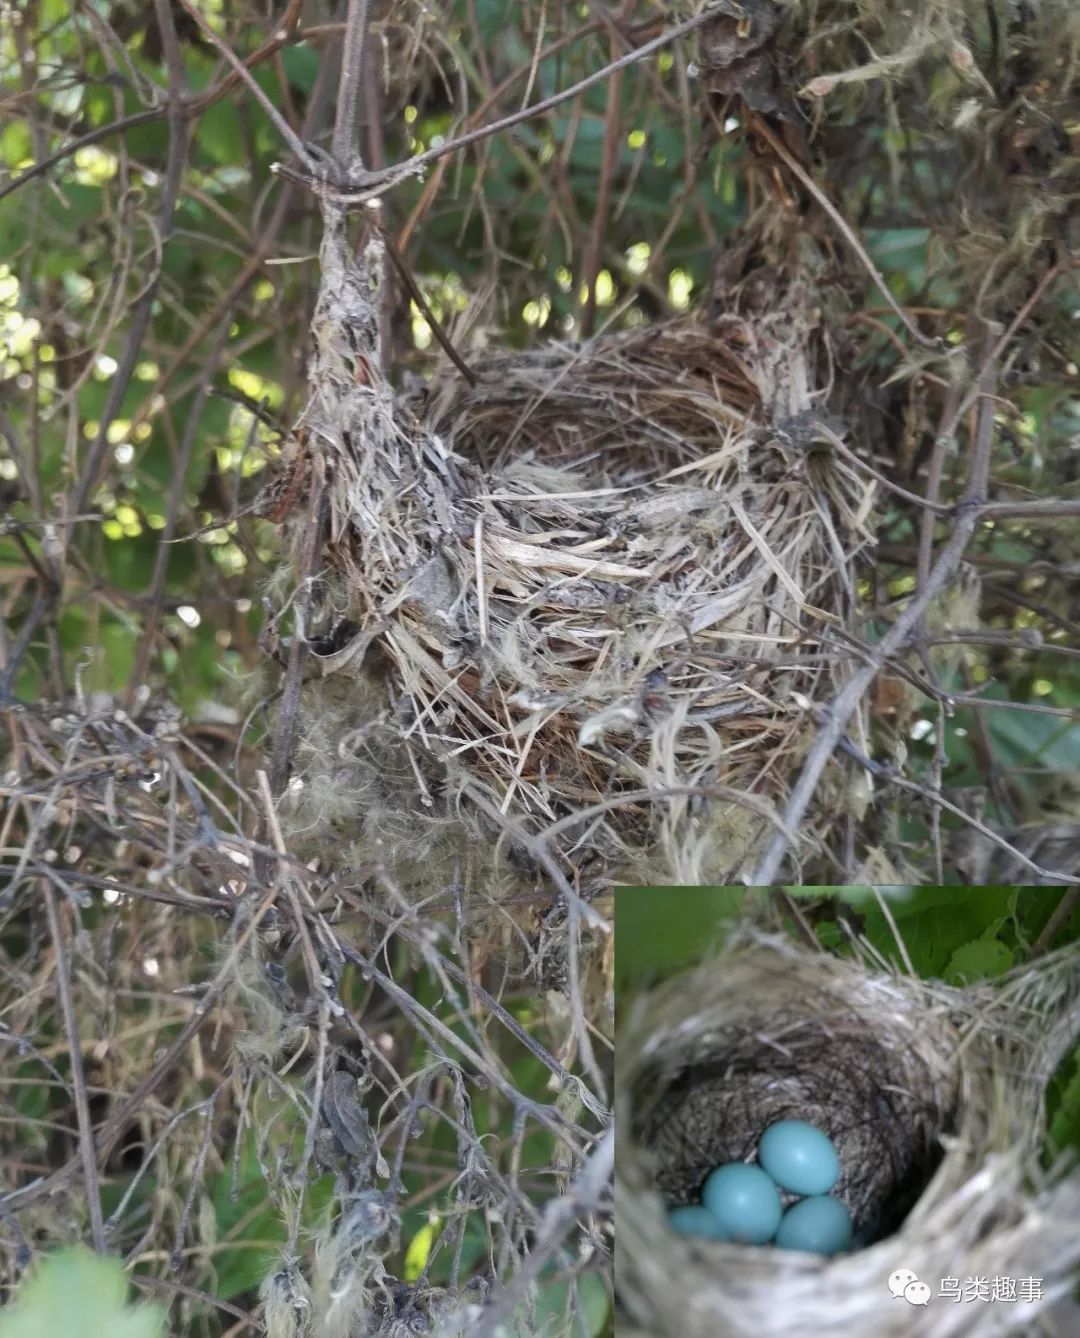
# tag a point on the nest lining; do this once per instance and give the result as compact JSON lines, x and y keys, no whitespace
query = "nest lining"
{"x":881,"y":1091}
{"x":932,"y":1095}
{"x":600,"y":571}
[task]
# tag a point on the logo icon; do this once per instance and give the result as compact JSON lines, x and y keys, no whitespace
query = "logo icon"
{"x":905,"y":1283}
{"x":900,"y":1280}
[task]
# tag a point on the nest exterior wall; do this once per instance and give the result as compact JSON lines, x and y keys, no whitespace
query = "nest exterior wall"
{"x":601,"y":581}
{"x":933,"y":1096}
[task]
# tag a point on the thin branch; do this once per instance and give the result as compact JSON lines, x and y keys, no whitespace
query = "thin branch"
{"x":112,"y":1129}
{"x":601,"y":217}
{"x":889,"y":774}
{"x":1049,"y":509}
{"x":181,"y":465}
{"x":760,"y":128}
{"x":1060,"y":914}
{"x":193,"y":107}
{"x":281,"y":751}
{"x":143,"y":309}
{"x":87,"y":1151}
{"x":590,"y":1188}
{"x":346,"y":141}
{"x":284,"y":129}
{"x":425,"y":310}
{"x":835,"y":718}
{"x":367,"y":185}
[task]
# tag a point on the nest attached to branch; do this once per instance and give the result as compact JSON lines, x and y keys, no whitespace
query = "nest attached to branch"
{"x":933,"y":1096}
{"x":602,"y":577}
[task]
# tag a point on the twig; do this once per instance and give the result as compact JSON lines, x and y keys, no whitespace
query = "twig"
{"x":425,"y":310}
{"x":760,"y":128}
{"x":476,"y":991}
{"x":549,"y":1116}
{"x":601,"y":217}
{"x":193,"y":107}
{"x":346,"y":140}
{"x":929,"y":504}
{"x":87,"y":1151}
{"x":285,"y":728}
{"x":143,"y":309}
{"x":1060,"y":914}
{"x":284,"y":129}
{"x":754,"y":803}
{"x":590,"y":1187}
{"x":836,"y":717}
{"x":156,"y":588}
{"x":112,"y":1129}
{"x":94,"y":136}
{"x":891,"y":776}
{"x":182,"y":1289}
{"x":372,"y":184}
{"x":196,"y":1180}
{"x":898,"y":938}
{"x":788,"y":903}
{"x":1044,"y":509}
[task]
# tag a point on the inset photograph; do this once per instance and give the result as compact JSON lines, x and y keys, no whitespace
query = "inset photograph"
{"x":847,"y":1111}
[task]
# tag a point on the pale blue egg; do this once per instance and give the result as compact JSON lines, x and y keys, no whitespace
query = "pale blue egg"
{"x":799,"y":1157}
{"x":744,"y":1201}
{"x":820,"y":1224}
{"x":693,"y":1220}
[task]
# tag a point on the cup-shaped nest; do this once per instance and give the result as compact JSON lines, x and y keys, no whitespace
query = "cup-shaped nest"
{"x":599,"y":585}
{"x":933,"y":1098}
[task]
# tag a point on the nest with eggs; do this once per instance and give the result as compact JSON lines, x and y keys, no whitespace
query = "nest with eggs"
{"x":591,"y":596}
{"x":933,"y":1097}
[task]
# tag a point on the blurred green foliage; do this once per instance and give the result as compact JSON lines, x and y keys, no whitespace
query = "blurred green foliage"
{"x":76,"y":1292}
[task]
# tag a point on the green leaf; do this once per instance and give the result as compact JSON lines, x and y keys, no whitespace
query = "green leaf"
{"x":301,"y":65}
{"x":935,"y":922}
{"x":1026,"y":739}
{"x":1063,"y":1108}
{"x":660,"y":929}
{"x":75,"y":1291}
{"x":221,"y":133}
{"x":978,"y":960}
{"x":15,"y":143}
{"x":553,"y":1303}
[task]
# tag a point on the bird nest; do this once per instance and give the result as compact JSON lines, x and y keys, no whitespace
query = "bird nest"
{"x":595,"y":590}
{"x":933,"y":1097}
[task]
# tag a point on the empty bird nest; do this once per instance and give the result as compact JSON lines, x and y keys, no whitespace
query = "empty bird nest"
{"x":591,"y":597}
{"x":934,"y":1098}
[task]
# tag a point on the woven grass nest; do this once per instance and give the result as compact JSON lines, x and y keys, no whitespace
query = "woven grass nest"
{"x":933,"y":1096}
{"x":600,"y":575}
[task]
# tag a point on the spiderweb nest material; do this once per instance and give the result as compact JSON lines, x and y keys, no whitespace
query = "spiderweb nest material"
{"x":604,"y":575}
{"x":933,"y":1096}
